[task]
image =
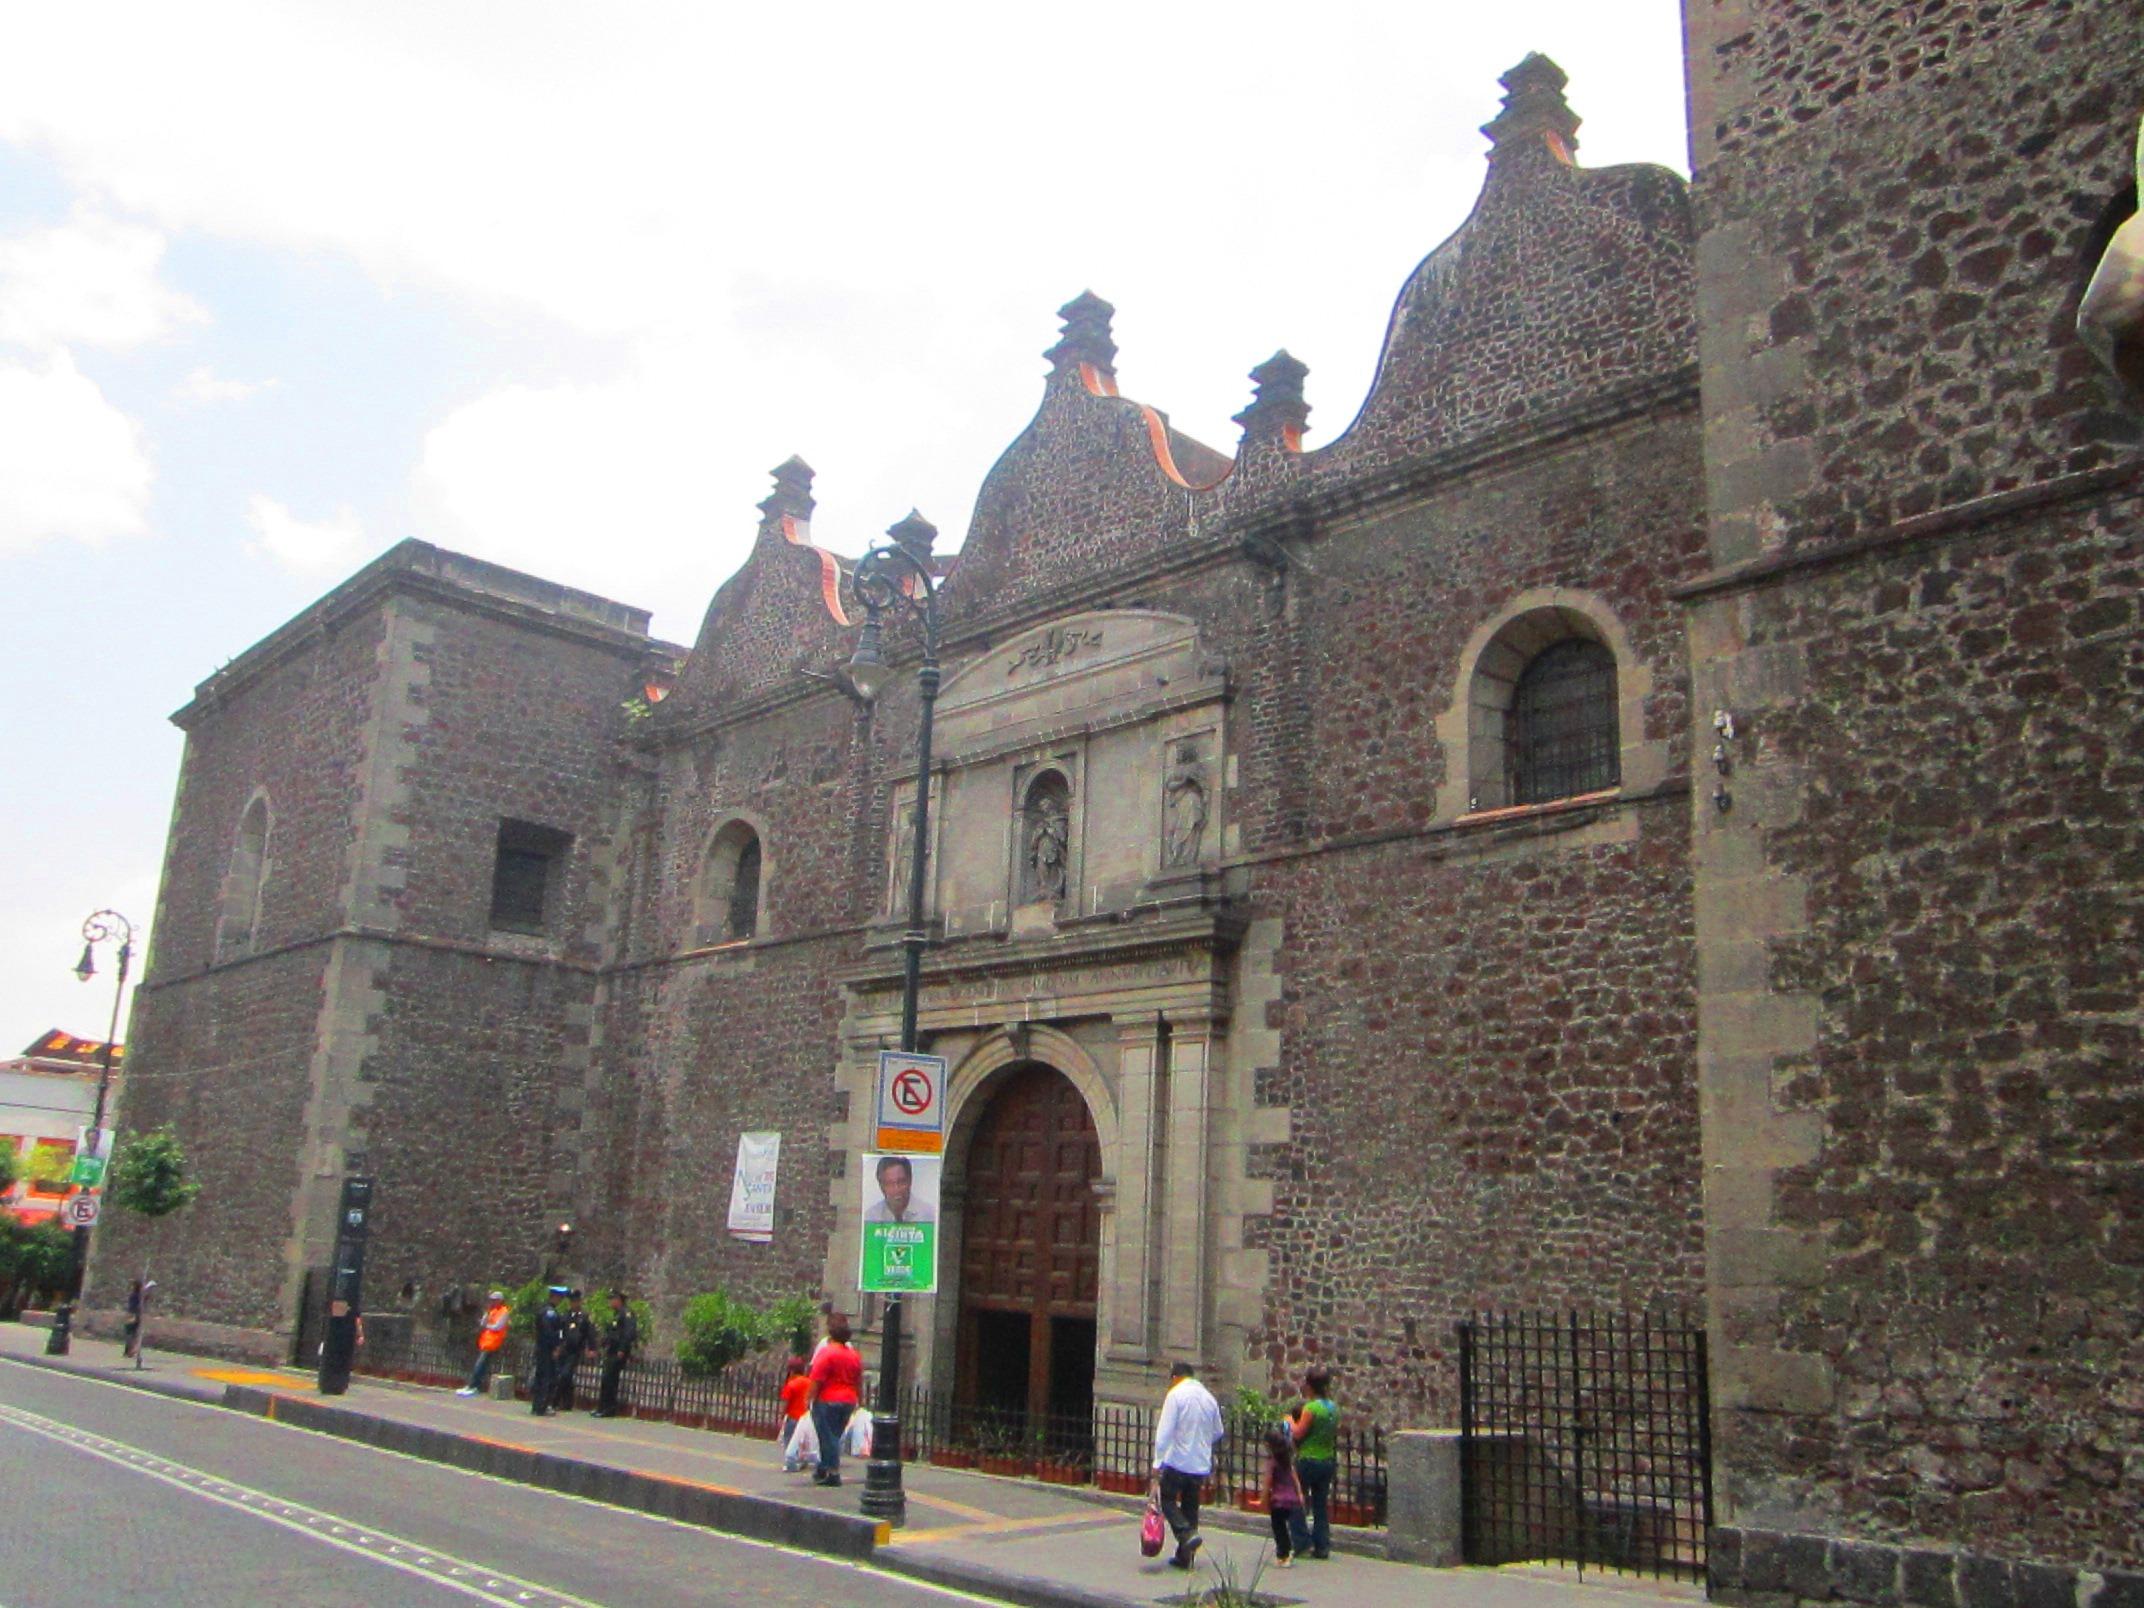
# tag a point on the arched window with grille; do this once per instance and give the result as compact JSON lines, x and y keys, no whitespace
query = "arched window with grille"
{"x":731,"y":885}
{"x":1561,"y":736}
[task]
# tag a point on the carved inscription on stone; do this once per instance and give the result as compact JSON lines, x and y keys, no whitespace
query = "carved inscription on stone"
{"x":1053,"y":647}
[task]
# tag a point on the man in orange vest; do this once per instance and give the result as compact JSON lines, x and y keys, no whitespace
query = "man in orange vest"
{"x":490,"y":1341}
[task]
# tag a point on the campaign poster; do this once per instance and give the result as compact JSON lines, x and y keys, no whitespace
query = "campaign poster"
{"x":752,"y":1190}
{"x":900,"y":1224}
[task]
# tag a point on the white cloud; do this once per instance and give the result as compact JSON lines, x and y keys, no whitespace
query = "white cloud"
{"x":308,"y":547}
{"x":206,"y":385}
{"x":72,"y":466}
{"x":91,"y":281}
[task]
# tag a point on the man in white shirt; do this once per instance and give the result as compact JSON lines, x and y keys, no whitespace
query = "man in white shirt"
{"x":1184,"y":1439}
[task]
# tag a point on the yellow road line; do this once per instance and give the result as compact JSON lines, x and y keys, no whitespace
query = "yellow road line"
{"x":954,"y":1532}
{"x":245,"y":1376}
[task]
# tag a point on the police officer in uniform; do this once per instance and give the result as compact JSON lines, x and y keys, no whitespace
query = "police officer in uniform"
{"x":577,"y":1332}
{"x":550,"y":1331}
{"x":620,"y":1335}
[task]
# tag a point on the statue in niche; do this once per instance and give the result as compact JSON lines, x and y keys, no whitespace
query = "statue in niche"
{"x":2111,"y":319}
{"x":1184,"y":808}
{"x":1048,"y":832}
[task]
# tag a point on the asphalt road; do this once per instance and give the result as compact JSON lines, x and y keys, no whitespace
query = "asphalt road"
{"x":115,"y":1496}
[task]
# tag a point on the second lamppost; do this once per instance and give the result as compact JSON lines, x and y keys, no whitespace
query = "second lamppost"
{"x":898,"y":576}
{"x":100,"y":928}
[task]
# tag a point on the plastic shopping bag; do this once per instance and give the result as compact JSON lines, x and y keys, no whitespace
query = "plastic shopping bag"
{"x":804,"y":1444}
{"x":1150,"y":1532}
{"x":856,"y":1439}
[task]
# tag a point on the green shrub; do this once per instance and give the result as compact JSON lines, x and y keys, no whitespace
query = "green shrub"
{"x":793,"y":1321}
{"x":718,"y":1331}
{"x":523,"y":1302}
{"x":1255,"y":1404}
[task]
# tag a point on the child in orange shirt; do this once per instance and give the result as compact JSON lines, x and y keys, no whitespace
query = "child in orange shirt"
{"x":796,"y":1402}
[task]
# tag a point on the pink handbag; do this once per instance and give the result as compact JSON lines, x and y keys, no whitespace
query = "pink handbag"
{"x":1150,"y":1532}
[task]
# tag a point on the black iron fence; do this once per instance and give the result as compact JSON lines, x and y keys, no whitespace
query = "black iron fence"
{"x":1110,"y":1445}
{"x":1585,"y":1440}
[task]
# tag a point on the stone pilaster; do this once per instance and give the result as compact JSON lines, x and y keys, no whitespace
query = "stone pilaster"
{"x":1186,"y":1254}
{"x":1139,"y":1183}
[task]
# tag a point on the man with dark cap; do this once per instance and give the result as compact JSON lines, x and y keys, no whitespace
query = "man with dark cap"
{"x":620,"y":1335}
{"x":550,"y":1330}
{"x":577,"y":1331}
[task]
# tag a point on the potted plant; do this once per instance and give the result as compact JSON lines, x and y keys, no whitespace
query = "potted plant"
{"x":1121,"y":1482}
{"x":951,"y":1454}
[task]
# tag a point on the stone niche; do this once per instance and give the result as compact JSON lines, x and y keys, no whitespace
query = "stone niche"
{"x":1079,"y":775}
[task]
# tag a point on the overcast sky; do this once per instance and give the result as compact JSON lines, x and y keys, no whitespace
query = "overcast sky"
{"x":558,"y":284}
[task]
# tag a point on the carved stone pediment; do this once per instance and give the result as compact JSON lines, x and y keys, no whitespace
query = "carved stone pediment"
{"x":1081,"y":673}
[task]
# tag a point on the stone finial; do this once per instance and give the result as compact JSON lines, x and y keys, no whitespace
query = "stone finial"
{"x":1277,"y":411}
{"x":1086,"y":335}
{"x":792,"y":491}
{"x":1535,"y":111}
{"x":915,"y":535}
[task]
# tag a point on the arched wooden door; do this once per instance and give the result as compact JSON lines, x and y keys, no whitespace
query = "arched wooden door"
{"x":1030,"y":1256}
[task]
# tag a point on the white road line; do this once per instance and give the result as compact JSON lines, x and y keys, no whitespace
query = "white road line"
{"x":801,"y":1554}
{"x":452,"y":1573}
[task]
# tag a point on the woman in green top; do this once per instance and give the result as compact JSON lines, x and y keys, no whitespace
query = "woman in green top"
{"x":1317,"y":1454}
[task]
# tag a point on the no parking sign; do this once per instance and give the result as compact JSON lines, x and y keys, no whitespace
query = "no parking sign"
{"x":911,"y":1102}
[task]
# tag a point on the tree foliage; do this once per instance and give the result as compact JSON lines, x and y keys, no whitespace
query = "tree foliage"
{"x":10,"y":1167}
{"x":34,"y":1259}
{"x":149,"y":1176}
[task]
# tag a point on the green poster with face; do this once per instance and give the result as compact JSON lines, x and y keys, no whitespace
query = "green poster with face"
{"x":900,"y":1225}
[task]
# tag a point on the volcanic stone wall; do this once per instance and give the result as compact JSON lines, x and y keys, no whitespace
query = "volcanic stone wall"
{"x":1919,"y":928}
{"x":222,"y":1043}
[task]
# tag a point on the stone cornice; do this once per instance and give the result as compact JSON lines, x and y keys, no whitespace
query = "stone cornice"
{"x":1958,"y":521}
{"x":418,"y":569}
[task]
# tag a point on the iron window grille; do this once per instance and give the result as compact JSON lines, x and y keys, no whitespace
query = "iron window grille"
{"x":1562,"y":738}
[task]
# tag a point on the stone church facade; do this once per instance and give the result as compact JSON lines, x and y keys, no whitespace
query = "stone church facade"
{"x":1647,"y":815}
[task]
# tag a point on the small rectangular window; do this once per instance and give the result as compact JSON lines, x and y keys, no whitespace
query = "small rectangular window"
{"x":524,"y":877}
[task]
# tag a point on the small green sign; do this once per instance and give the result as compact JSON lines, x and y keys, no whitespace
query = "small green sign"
{"x":88,"y":1170}
{"x":899,"y":1259}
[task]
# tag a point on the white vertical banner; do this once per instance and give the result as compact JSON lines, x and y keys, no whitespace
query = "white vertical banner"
{"x":752,"y":1190}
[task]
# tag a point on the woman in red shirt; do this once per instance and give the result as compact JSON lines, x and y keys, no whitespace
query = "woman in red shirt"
{"x":837,"y":1378}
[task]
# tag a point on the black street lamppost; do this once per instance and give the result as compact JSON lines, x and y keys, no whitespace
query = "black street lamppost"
{"x":102,"y":927}
{"x":898,"y":575}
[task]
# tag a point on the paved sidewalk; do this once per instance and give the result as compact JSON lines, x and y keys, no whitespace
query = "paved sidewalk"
{"x":1017,"y":1540}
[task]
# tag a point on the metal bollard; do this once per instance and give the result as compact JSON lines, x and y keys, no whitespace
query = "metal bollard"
{"x":62,"y":1330}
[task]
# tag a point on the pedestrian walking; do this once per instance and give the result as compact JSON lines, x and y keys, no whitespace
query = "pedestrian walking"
{"x":620,"y":1336}
{"x":133,"y":1330}
{"x":550,"y":1329}
{"x":1184,"y":1438}
{"x":1282,"y":1492}
{"x":837,"y":1377}
{"x":490,"y":1341}
{"x":1316,"y":1427}
{"x":576,"y":1333}
{"x":796,"y":1402}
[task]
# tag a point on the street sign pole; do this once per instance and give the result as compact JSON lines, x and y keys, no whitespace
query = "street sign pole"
{"x":345,"y":1286}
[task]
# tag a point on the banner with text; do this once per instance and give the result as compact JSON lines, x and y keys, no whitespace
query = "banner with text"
{"x":752,"y":1190}
{"x":900,"y":1225}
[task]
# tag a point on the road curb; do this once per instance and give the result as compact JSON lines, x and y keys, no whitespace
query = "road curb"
{"x":759,"y":1518}
{"x":132,"y":1379}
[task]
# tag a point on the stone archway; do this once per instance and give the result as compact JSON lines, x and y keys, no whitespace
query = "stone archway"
{"x":1030,"y":1256}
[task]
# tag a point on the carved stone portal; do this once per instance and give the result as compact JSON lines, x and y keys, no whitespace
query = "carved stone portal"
{"x":1184,"y":807}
